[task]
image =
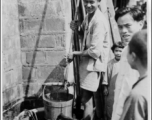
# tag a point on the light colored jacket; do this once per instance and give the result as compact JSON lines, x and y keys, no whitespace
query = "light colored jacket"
{"x":125,"y":79}
{"x":96,"y":35}
{"x":137,"y":105}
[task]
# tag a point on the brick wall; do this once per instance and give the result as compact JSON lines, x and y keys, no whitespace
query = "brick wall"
{"x":12,"y":87}
{"x":35,"y":38}
{"x":44,"y":35}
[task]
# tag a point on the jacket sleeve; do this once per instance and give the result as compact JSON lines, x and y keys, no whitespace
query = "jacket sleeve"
{"x":99,"y":43}
{"x":107,"y":76}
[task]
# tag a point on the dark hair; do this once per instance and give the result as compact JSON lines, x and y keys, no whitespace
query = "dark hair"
{"x":144,"y":7}
{"x":117,"y":44}
{"x":135,"y":12}
{"x":138,"y":45}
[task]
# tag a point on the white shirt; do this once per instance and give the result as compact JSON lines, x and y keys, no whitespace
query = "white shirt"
{"x":124,"y":82}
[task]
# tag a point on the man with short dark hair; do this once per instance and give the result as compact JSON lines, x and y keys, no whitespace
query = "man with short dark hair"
{"x":94,"y":53}
{"x":137,"y":103}
{"x":130,"y":21}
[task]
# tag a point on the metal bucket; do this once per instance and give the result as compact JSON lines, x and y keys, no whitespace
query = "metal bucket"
{"x":57,"y":102}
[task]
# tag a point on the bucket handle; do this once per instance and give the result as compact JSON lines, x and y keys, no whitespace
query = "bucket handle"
{"x":50,"y":84}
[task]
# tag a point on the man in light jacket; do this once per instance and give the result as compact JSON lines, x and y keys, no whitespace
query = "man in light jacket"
{"x":130,"y":21}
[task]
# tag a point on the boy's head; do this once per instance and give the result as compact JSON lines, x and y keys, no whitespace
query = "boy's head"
{"x":137,"y":50}
{"x":117,"y":50}
{"x":91,"y":5}
{"x":130,"y":21}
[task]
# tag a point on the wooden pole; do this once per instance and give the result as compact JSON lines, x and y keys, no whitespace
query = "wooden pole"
{"x":74,"y":46}
{"x":76,"y":64}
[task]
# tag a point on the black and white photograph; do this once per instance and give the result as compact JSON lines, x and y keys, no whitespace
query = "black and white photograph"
{"x":75,"y":59}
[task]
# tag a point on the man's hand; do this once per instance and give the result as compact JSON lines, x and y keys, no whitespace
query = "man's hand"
{"x":105,"y":90}
{"x":74,"y":25}
{"x":70,"y":57}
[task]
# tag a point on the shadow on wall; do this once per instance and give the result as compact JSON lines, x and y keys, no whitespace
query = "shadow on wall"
{"x":57,"y":73}
{"x":36,"y":45}
{"x":37,"y":101}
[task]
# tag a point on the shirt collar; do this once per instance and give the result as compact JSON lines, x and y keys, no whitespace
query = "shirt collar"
{"x":95,"y":16}
{"x":116,"y":60}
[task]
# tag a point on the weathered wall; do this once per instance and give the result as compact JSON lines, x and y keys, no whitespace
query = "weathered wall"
{"x":44,"y":34}
{"x":35,"y":37}
{"x":12,"y":88}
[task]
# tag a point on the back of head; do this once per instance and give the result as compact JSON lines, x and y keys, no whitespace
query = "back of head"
{"x":135,"y":12}
{"x":138,"y":45}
